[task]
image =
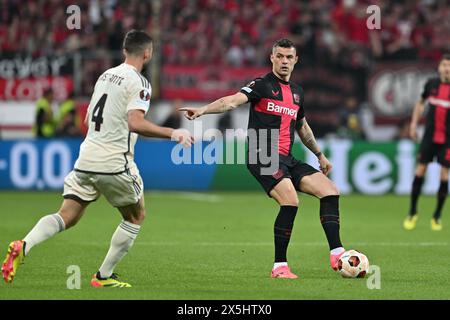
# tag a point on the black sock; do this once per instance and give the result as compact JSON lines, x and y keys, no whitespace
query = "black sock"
{"x":282,"y":231}
{"x":441,"y":196}
{"x":329,"y":217}
{"x":415,"y":193}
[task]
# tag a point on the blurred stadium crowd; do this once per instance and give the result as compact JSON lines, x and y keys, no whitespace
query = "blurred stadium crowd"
{"x":241,"y":32}
{"x":235,"y":33}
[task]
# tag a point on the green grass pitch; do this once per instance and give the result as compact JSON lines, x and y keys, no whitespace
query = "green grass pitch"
{"x":220,"y":246}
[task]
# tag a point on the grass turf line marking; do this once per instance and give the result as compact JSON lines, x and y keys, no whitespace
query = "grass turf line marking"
{"x":381,"y":244}
{"x":193,"y":196}
{"x":263,"y":244}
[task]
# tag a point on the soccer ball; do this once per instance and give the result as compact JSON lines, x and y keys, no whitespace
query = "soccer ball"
{"x":353,"y":264}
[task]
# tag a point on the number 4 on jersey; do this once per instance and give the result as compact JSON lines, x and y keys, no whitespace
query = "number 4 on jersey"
{"x":97,"y":113}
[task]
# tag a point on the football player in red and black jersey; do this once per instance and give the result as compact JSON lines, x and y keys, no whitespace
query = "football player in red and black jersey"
{"x":435,"y":142}
{"x":277,"y":106}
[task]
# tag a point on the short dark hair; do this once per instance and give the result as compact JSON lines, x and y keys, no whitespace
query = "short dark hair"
{"x":283,"y":43}
{"x":445,"y":56}
{"x":136,"y":41}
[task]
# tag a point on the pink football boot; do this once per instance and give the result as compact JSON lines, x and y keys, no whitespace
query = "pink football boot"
{"x":283,"y":272}
{"x":334,"y":259}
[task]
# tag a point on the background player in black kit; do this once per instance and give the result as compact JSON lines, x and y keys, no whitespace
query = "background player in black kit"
{"x":435,"y":142}
{"x":277,"y":104}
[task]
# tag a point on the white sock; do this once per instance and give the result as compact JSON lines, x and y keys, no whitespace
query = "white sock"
{"x":121,"y":241}
{"x":46,"y":228}
{"x":336,"y":251}
{"x":279,"y":264}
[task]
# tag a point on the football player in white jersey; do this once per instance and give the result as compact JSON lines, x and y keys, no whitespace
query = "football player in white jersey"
{"x":105,"y":164}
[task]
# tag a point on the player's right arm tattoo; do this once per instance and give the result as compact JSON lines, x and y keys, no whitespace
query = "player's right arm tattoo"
{"x":226,"y":103}
{"x":218,"y":106}
{"x":308,"y":139}
{"x":223,"y":105}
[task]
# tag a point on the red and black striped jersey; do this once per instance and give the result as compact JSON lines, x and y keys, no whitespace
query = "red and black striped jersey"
{"x":437,"y":95}
{"x":275,"y":104}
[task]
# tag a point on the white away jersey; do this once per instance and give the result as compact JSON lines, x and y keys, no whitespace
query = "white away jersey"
{"x":109,"y":145}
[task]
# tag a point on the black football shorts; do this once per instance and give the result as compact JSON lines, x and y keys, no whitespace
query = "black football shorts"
{"x":289,"y":167}
{"x":428,"y":151}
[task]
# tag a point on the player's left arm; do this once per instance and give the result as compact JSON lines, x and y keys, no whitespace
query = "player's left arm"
{"x":307,"y":136}
{"x":138,"y":124}
{"x":137,"y":107}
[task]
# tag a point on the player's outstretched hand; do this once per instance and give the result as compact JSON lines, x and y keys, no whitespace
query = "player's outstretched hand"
{"x":192,"y":113}
{"x":183,"y":137}
{"x":325,"y":165}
